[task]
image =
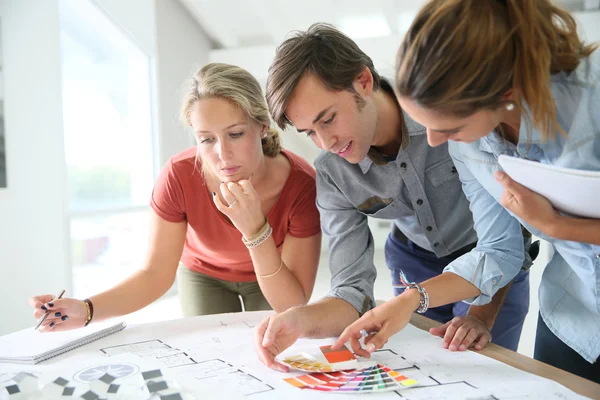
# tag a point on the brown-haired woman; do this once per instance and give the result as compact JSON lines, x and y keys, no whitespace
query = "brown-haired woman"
{"x":234,"y":217}
{"x":508,"y":77}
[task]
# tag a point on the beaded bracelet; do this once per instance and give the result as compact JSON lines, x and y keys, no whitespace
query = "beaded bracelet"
{"x":424,"y":297}
{"x":260,"y":239}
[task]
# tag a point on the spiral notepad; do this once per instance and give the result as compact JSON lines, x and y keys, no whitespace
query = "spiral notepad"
{"x":31,"y":347}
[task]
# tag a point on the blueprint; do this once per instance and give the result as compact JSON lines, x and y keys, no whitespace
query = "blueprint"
{"x":213,"y":357}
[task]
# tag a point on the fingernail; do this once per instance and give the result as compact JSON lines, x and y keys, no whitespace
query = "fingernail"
{"x":500,"y":175}
{"x":370,"y":347}
{"x":51,"y":324}
{"x":453,"y":348}
{"x":43,"y":307}
{"x":462,"y":347}
{"x":57,"y":314}
{"x":64,"y":318}
{"x":50,"y":304}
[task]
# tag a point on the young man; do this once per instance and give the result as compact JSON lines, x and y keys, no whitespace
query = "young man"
{"x":377,"y":163}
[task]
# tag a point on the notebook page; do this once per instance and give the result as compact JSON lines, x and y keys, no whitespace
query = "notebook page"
{"x":29,"y":343}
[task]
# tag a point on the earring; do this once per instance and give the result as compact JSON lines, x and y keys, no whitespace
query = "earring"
{"x":510,"y":107}
{"x":264,"y":135}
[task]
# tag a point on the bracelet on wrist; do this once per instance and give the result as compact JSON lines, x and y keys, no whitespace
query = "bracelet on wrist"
{"x":423,"y":295}
{"x":274,"y":273}
{"x":259,"y":238}
{"x":260,"y":232}
{"x":90,"y":311}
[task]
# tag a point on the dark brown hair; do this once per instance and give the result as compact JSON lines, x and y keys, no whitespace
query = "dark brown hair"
{"x":460,"y":56}
{"x":322,"y":50}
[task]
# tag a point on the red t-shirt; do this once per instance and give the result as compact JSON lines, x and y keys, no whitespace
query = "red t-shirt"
{"x":213,"y":246}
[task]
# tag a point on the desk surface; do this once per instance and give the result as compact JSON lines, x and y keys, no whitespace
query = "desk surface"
{"x":575,"y":383}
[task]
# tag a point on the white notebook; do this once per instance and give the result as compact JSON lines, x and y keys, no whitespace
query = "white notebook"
{"x":572,"y":191}
{"x":30,"y":346}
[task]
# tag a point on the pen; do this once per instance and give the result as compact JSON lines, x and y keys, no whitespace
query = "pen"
{"x":43,"y":317}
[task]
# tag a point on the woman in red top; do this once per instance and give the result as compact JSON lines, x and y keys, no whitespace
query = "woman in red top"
{"x":236,"y":215}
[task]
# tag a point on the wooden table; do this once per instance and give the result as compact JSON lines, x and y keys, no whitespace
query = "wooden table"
{"x":577,"y":384}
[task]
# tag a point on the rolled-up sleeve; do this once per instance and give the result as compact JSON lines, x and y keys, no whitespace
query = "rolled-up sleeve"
{"x":499,"y":254}
{"x":351,"y":246}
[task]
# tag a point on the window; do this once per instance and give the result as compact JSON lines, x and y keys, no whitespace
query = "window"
{"x":108,"y":146}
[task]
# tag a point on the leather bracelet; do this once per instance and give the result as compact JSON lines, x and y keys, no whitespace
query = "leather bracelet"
{"x":90,"y":311}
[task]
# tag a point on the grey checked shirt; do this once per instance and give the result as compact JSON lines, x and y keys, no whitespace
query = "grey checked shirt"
{"x":420,"y":191}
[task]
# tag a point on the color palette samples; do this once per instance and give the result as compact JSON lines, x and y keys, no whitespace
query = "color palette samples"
{"x":333,"y":357}
{"x":377,"y":378}
{"x":304,"y":363}
{"x":325,"y":360}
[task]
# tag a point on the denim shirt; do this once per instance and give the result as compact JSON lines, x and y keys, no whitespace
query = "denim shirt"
{"x":569,"y":294}
{"x":419,"y":190}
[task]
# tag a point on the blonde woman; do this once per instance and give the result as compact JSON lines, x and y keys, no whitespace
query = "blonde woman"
{"x":234,"y":217}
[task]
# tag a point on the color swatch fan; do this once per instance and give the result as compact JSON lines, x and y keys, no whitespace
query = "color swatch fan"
{"x":377,"y":378}
{"x":325,"y":360}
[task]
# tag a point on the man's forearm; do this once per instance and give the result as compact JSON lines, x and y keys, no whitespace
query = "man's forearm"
{"x":326,"y":318}
{"x":488,"y":313}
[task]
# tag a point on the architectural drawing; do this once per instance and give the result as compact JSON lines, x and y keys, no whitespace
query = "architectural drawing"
{"x":213,"y":357}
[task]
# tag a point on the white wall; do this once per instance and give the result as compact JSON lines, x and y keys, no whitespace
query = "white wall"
{"x":136,"y":18}
{"x":181,"y":48}
{"x":589,"y":25}
{"x":34,"y":256}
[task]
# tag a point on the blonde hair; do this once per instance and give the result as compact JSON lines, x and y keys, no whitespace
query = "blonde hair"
{"x":237,"y":85}
{"x":460,"y":56}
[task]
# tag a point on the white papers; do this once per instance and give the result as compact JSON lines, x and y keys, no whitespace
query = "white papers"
{"x":571,"y":191}
{"x":30,"y":346}
{"x":213,"y":357}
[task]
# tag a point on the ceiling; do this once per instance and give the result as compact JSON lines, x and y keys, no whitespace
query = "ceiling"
{"x":243,"y":23}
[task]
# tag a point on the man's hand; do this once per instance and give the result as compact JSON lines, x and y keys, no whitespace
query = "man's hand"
{"x":462,"y":332}
{"x":274,"y":335}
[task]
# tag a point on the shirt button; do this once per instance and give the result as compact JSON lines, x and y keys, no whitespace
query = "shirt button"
{"x":436,"y":244}
{"x":403,"y":165}
{"x":495,"y":281}
{"x":453,"y":170}
{"x":419,"y":202}
{"x":429,"y":229}
{"x":598,"y":255}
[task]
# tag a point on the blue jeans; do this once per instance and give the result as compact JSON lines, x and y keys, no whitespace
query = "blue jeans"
{"x":419,"y":265}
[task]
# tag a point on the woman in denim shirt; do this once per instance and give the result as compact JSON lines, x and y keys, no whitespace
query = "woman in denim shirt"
{"x":507,"y":77}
